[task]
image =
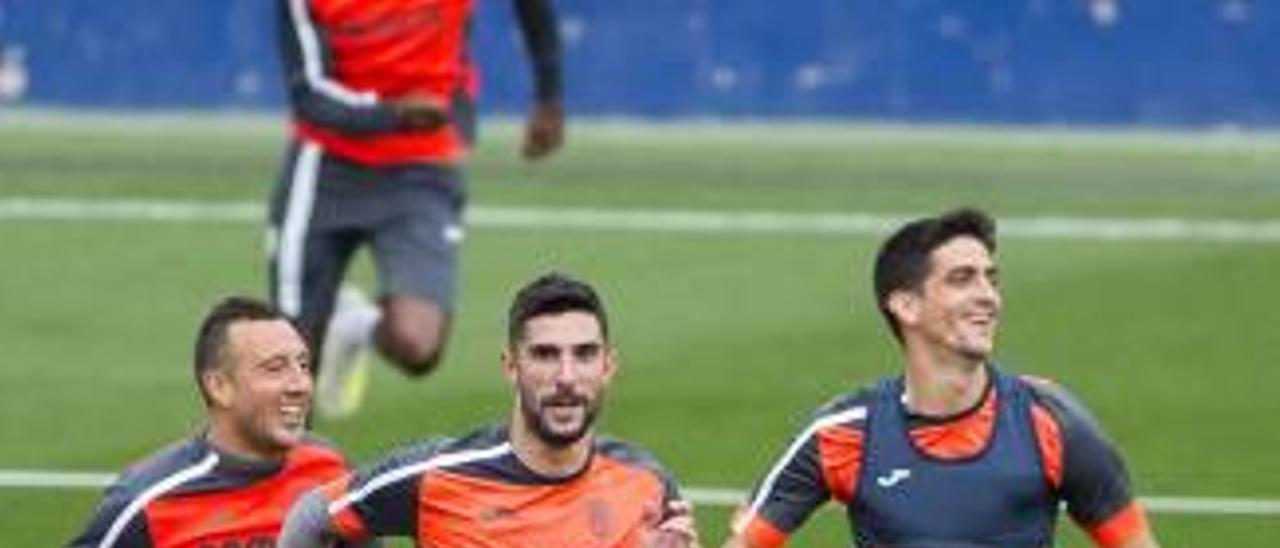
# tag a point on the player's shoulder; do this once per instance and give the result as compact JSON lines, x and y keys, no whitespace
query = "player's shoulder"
{"x":849,"y":409}
{"x":409,"y":462}
{"x":317,"y":457}
{"x":316,"y":449}
{"x":143,"y":480}
{"x":627,"y":453}
{"x":1048,"y":392}
{"x":488,"y":441}
{"x":1061,"y":404}
{"x":172,"y":460}
{"x":636,"y":462}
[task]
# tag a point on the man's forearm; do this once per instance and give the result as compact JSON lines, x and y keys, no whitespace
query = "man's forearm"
{"x":317,"y":109}
{"x":541,"y":33}
{"x":308,"y":524}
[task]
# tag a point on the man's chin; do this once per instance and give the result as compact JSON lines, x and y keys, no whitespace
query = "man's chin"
{"x":287,"y":437}
{"x":976,"y":353}
{"x":563,"y":434}
{"x":567,"y":429}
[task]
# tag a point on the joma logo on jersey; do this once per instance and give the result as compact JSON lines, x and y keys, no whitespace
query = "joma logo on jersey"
{"x":894,"y":477}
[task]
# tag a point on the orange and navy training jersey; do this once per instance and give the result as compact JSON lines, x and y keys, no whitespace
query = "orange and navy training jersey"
{"x":990,"y":475}
{"x":475,"y":492}
{"x":344,"y":58}
{"x":192,"y":495}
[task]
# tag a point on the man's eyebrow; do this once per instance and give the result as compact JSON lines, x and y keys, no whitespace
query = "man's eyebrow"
{"x":282,"y":356}
{"x":270,"y":358}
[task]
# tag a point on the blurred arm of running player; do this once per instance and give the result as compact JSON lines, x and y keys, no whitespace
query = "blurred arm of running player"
{"x":671,"y":529}
{"x":419,"y":112}
{"x":544,"y":130}
{"x":319,"y":98}
{"x":309,"y":525}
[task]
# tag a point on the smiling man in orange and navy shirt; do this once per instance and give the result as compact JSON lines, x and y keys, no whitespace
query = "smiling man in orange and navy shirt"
{"x":955,"y":452}
{"x":231,"y":484}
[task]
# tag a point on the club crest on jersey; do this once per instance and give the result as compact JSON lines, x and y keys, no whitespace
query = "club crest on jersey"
{"x":600,"y":518}
{"x":496,"y":513}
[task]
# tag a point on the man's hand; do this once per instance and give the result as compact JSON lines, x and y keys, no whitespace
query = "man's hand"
{"x":676,"y":531}
{"x":544,"y":131}
{"x":420,"y":112}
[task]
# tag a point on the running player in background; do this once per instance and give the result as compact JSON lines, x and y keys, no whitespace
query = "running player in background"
{"x":231,"y":484}
{"x":542,"y":479}
{"x":955,"y":452}
{"x":383,"y":101}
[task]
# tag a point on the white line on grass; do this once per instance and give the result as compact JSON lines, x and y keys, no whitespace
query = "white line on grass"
{"x":804,"y":132}
{"x":673,"y":221}
{"x":706,"y":496}
{"x":54,"y":479}
{"x":714,"y":496}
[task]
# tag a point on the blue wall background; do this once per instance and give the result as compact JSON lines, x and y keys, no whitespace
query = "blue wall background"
{"x":1180,"y":62}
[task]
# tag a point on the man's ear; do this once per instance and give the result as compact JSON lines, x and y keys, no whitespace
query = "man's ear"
{"x":510,"y":364}
{"x":217,"y":383}
{"x":905,"y":306}
{"x":611,"y":363}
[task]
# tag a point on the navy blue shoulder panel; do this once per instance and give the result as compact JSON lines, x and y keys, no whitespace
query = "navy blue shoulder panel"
{"x":133,"y":483}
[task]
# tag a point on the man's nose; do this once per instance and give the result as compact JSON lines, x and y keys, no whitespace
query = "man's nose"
{"x":567,"y":369}
{"x":300,"y":380}
{"x":988,"y":291}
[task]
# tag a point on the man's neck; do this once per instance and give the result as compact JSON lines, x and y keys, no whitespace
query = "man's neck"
{"x":221,"y":437}
{"x":547,"y":460}
{"x":939,"y":387}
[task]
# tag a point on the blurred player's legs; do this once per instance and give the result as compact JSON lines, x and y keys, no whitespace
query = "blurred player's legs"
{"x":416,"y":258}
{"x":343,"y":374}
{"x":412,"y":333}
{"x":409,"y":331}
{"x":410,"y":217}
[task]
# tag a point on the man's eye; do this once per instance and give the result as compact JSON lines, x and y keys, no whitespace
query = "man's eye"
{"x":586,"y":352}
{"x":543,"y":353}
{"x":962,"y":275}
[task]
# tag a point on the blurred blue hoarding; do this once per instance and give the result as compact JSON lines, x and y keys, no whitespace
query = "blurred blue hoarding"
{"x":1180,"y":62}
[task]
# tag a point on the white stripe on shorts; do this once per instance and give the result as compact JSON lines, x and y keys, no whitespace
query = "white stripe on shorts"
{"x":290,"y":252}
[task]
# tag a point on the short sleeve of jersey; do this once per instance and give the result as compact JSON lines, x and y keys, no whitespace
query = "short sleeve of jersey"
{"x":1095,"y":483}
{"x":134,"y":533}
{"x":792,"y":489}
{"x":381,"y":499}
{"x":819,"y":464}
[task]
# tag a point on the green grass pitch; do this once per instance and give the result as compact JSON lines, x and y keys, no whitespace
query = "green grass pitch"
{"x":729,"y":341}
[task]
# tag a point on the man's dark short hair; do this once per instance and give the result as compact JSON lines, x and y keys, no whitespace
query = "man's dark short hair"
{"x":211,"y":340}
{"x":903,"y":260}
{"x":553,"y":293}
